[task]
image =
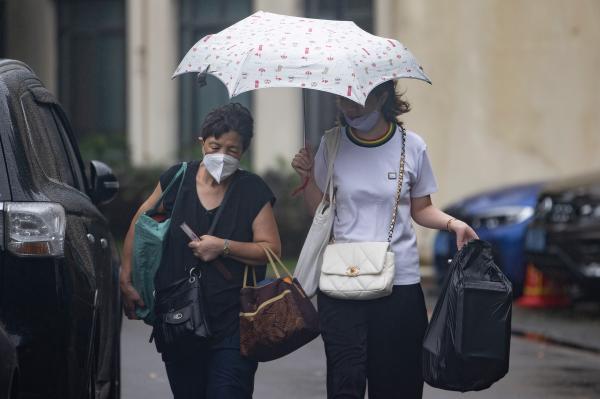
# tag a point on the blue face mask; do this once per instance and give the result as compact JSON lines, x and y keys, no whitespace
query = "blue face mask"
{"x":364,"y":123}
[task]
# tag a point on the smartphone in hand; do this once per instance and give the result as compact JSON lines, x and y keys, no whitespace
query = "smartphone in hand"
{"x":188,"y":231}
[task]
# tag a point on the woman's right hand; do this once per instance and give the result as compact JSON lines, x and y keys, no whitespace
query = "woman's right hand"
{"x":303,"y":162}
{"x":131,"y":299}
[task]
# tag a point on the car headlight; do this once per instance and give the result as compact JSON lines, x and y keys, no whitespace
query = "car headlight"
{"x":545,"y":205}
{"x":567,"y":209}
{"x":502,"y":216}
{"x":35,"y":228}
{"x":590,"y":210}
{"x":563,"y":213}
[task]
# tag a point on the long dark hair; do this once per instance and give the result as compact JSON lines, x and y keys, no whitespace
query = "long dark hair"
{"x":393,"y":107}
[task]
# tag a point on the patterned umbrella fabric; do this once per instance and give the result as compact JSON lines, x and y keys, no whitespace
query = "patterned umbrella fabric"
{"x":272,"y":50}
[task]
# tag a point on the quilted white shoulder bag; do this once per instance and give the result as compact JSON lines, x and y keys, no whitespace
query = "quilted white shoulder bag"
{"x":362,"y":270}
{"x":308,"y":268}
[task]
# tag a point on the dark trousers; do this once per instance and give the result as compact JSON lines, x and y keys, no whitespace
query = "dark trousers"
{"x":378,"y":340}
{"x":212,"y":372}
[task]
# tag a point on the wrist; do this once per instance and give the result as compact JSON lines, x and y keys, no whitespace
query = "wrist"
{"x":226,"y":251}
{"x":124,"y":282}
{"x":312,"y":185}
{"x":451,"y":224}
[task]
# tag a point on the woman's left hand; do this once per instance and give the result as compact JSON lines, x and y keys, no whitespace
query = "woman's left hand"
{"x":207,"y":247}
{"x":464,"y":232}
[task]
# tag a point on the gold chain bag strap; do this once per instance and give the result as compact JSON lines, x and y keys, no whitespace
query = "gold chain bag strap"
{"x":362,"y":270}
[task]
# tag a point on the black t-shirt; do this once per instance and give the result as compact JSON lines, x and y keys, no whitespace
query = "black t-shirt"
{"x":249,"y":194}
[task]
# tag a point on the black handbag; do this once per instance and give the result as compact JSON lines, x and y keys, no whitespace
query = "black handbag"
{"x":180,"y":309}
{"x":181,"y":313}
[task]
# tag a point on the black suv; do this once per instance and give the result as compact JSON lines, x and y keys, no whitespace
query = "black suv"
{"x":60,"y":314}
{"x":564,"y":238}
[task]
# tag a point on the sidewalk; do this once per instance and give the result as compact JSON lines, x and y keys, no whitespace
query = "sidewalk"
{"x":537,"y":370}
{"x":577,"y":327}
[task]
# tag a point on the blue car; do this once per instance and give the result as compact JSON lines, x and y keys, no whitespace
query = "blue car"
{"x":500,"y":217}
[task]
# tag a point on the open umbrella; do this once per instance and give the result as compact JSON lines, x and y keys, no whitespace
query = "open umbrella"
{"x":272,"y":50}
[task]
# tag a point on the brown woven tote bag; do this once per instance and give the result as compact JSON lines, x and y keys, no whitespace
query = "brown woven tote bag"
{"x":276,"y":318}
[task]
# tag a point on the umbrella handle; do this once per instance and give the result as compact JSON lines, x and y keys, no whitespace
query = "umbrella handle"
{"x":301,"y":188}
{"x":304,"y":184}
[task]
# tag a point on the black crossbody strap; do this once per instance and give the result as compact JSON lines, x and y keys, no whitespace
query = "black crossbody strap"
{"x":220,"y":266}
{"x":213,"y":225}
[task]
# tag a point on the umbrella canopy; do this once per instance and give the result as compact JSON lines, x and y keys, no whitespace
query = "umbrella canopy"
{"x":272,"y":50}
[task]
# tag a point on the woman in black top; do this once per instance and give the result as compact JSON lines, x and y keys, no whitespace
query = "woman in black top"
{"x":213,"y":369}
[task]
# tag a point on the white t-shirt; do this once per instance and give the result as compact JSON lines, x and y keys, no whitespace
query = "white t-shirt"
{"x":365,"y":183}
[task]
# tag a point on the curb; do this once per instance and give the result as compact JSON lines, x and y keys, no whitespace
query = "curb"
{"x":537,"y":337}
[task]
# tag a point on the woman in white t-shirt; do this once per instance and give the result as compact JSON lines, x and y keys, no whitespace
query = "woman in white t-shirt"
{"x":377,"y":340}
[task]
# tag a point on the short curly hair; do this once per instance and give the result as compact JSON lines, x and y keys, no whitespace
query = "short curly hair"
{"x":232,"y":116}
{"x":393,"y":107}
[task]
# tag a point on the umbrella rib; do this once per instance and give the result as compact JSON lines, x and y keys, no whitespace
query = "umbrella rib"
{"x":239,"y":75}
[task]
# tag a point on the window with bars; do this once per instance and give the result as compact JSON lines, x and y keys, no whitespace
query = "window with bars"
{"x":198,"y":19}
{"x":320,"y":110}
{"x":92,"y":86}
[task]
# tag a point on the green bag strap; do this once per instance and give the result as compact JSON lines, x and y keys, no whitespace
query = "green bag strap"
{"x":180,"y":172}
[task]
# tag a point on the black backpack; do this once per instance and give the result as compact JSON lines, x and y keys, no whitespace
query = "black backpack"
{"x":467,"y":343}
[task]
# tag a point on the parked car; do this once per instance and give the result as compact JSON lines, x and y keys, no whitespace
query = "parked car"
{"x":59,"y":292}
{"x":564,"y":238}
{"x":499,"y":216}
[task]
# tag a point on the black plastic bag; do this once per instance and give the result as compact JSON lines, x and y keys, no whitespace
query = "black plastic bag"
{"x":467,"y":343}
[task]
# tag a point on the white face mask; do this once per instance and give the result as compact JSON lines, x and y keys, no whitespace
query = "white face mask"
{"x":220,"y":166}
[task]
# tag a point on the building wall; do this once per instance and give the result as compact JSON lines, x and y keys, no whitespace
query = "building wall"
{"x":515,"y":92}
{"x":277,"y":112}
{"x":153,"y":96}
{"x":31,"y":37}
{"x":514,"y":96}
{"x":152,"y":56}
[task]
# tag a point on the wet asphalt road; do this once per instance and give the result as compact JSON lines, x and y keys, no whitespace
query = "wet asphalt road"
{"x":537,"y":370}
